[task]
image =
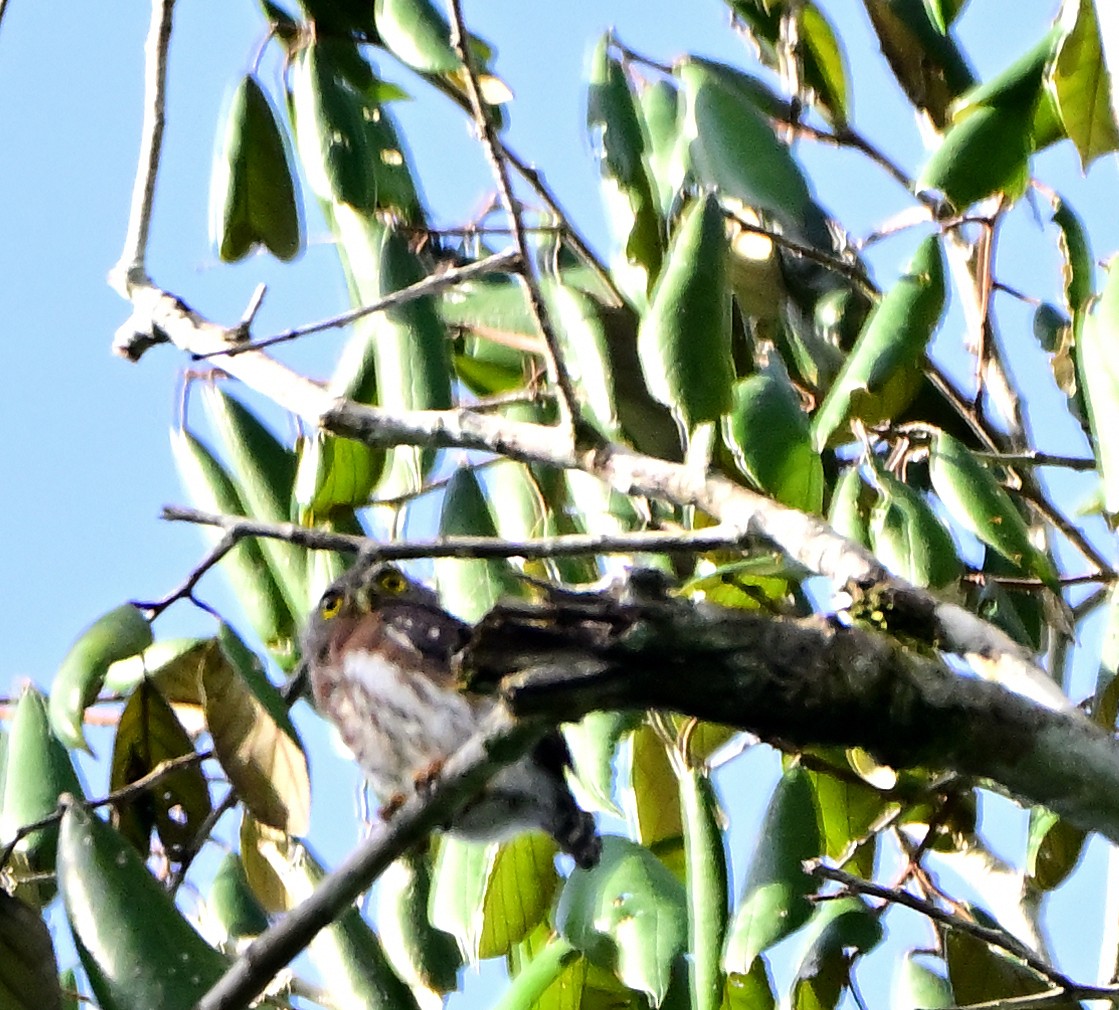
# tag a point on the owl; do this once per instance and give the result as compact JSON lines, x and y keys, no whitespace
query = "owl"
{"x":378,"y":649}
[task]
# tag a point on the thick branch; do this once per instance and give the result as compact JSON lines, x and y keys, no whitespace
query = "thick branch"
{"x":802,"y":682}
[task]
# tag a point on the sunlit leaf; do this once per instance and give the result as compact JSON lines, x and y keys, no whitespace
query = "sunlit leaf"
{"x":125,"y":924}
{"x":254,"y":739}
{"x":1083,"y":85}
{"x":120,"y":633}
{"x":627,"y":913}
{"x":774,"y":899}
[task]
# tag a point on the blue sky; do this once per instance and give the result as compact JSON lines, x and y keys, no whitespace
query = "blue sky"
{"x":85,"y":463}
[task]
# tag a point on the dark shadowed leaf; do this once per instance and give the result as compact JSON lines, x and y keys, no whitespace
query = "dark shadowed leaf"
{"x":148,"y":734}
{"x":28,"y":969}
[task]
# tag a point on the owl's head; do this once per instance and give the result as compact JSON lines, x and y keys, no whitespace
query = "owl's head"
{"x":367,"y":587}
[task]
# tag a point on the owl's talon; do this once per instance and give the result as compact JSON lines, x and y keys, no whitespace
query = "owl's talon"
{"x":427,"y":776}
{"x":391,"y":806}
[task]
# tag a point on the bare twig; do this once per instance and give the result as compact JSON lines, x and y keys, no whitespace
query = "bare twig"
{"x":130,"y":267}
{"x":849,"y":270}
{"x":186,"y":589}
{"x":995,"y":937}
{"x":568,"y":401}
{"x":566,"y":545}
{"x":119,"y":797}
{"x":501,"y":740}
{"x":427,"y":286}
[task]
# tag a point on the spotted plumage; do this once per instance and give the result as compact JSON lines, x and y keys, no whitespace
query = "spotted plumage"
{"x":379,"y":651}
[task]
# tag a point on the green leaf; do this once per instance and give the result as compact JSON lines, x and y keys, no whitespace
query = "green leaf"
{"x":28,"y":970}
{"x":334,"y":473}
{"x":585,"y":343}
{"x":148,"y":734}
{"x":519,"y":890}
{"x":707,"y":879}
{"x":769,"y":436}
{"x":417,"y":34}
{"x":538,"y":974}
{"x":593,"y":742}
{"x":1053,"y":849}
{"x":981,"y":505}
{"x":125,"y":924}
{"x":838,"y":927}
{"x":330,"y":128}
{"x":37,"y":771}
{"x":979,"y":974}
{"x":252,"y":188}
{"x":774,"y":900}
{"x":458,"y":892}
{"x":849,"y":508}
{"x":993,"y":132}
{"x":1078,"y":268}
{"x":666,"y":152}
{"x":654,"y":799}
{"x":122,"y":632}
{"x":265,"y":474}
{"x":1083,"y":87}
{"x":917,"y":987}
{"x":614,"y":124}
{"x":629,"y":913}
{"x":684,"y":338}
{"x":171,"y":664}
{"x":882,"y":373}
{"x":232,"y":902}
{"x":490,"y":897}
{"x":849,"y":811}
{"x":909,"y":538}
{"x":210,"y":488}
{"x":822,"y":69}
{"x":406,"y":347}
{"x":470,"y":587}
{"x":425,"y":957}
{"x":752,"y":991}
{"x":735,"y":150}
{"x":1098,"y":365}
{"x":254,"y":739}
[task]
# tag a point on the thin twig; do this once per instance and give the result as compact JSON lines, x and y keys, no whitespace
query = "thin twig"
{"x":119,"y":797}
{"x":567,"y":401}
{"x":849,"y":270}
{"x":186,"y":589}
{"x":433,"y":284}
{"x":130,"y":267}
{"x":566,"y":545}
{"x":995,"y":937}
{"x":194,"y":846}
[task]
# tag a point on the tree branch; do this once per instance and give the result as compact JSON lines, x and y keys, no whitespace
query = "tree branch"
{"x":566,"y":545}
{"x":501,"y":741}
{"x":568,"y":401}
{"x":130,"y":267}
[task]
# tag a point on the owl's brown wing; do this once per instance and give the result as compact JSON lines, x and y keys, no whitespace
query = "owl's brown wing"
{"x":430,"y":630}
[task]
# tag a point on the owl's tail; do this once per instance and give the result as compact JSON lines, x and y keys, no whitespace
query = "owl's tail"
{"x":578,"y":837}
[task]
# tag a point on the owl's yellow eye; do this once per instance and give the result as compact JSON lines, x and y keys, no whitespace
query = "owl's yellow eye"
{"x":392,"y":581}
{"x":330,"y":605}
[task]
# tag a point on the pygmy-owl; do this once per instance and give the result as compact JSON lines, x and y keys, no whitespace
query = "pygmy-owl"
{"x":378,"y":648}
